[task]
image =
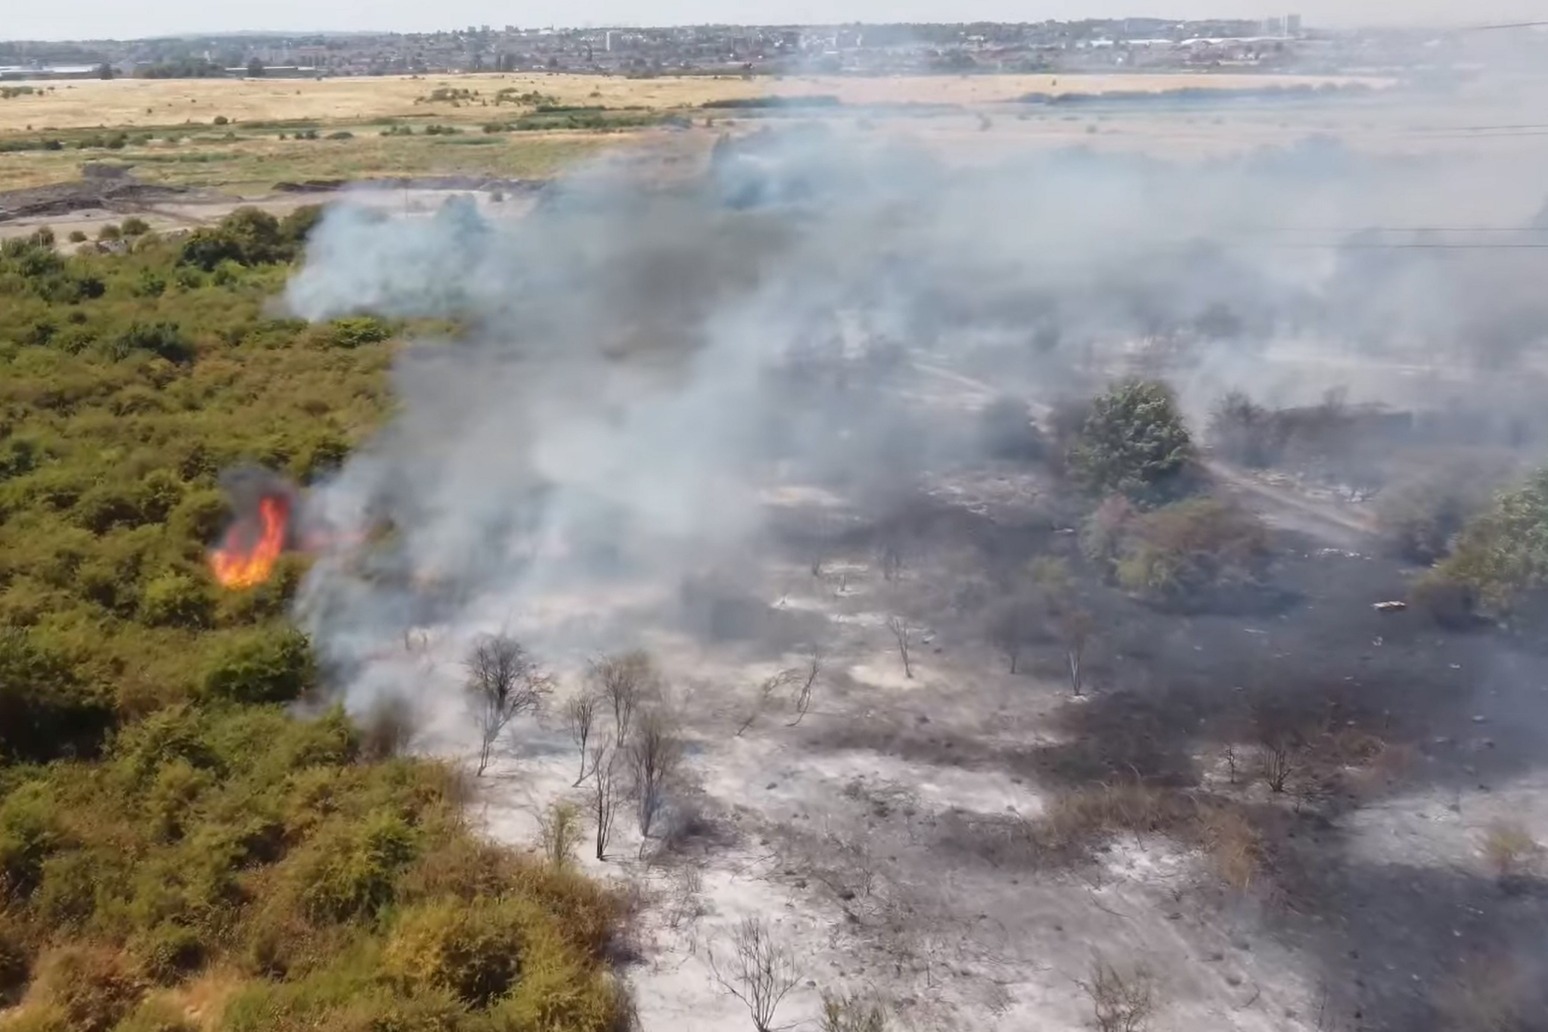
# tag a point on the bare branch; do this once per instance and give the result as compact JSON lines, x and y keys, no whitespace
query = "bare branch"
{"x":901,"y":630}
{"x":504,"y":681}
{"x":803,"y":695}
{"x":760,"y":971}
{"x":655,"y":752}
{"x":624,"y":681}
{"x":604,"y":794}
{"x":580,"y":713}
{"x":766,"y":692}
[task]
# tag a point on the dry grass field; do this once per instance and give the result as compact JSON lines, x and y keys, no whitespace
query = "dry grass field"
{"x":161,"y":102}
{"x":252,"y":166}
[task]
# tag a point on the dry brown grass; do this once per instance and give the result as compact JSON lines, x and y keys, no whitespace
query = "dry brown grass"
{"x":1510,"y":850}
{"x":1077,"y":820}
{"x":252,"y":167}
{"x":151,"y":102}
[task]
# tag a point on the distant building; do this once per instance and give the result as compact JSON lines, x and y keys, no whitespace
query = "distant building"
{"x":1274,"y":27}
{"x":1293,"y":25}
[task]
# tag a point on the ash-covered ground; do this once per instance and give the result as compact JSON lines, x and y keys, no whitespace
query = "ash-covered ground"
{"x":748,"y":424}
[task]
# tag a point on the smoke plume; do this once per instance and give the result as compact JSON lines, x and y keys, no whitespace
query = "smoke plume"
{"x":638,"y":368}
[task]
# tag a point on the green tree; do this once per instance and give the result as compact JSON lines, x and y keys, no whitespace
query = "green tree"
{"x":1134,"y":442}
{"x":255,"y":69}
{"x":1500,"y":561}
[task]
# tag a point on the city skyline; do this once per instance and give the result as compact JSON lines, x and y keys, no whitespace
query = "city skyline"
{"x":108,"y":19}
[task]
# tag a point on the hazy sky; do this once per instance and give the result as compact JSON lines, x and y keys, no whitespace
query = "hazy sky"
{"x":78,"y":19}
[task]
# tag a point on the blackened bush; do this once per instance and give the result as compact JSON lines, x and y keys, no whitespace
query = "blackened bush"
{"x":1006,"y":431}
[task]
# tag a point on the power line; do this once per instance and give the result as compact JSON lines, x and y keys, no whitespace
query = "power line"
{"x":1507,"y":25}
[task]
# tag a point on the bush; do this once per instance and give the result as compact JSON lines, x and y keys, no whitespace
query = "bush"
{"x":89,"y":986}
{"x":264,"y":667}
{"x":473,"y":950}
{"x":1420,"y":516}
{"x":158,"y":1016}
{"x":1007,"y":431}
{"x":1499,"y":563}
{"x":176,"y":600}
{"x":45,"y":712}
{"x":169,"y":953}
{"x":134,"y":226}
{"x":29,"y":834}
{"x":164,"y":339}
{"x":1134,"y":443}
{"x":356,"y":331}
{"x":1190,"y":548}
{"x":350,"y":871}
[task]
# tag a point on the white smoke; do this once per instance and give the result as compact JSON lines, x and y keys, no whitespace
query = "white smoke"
{"x":615,"y":397}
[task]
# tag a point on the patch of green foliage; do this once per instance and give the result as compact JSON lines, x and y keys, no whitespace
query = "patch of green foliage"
{"x":1134,"y":443}
{"x":1180,"y":553}
{"x":161,"y":813}
{"x":1498,"y":566}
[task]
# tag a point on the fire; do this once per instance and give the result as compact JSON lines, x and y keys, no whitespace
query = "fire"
{"x":247,"y":554}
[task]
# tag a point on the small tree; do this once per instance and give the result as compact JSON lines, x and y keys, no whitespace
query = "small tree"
{"x":255,"y":69}
{"x":580,"y":713}
{"x":1120,"y":1002}
{"x":1134,"y":442}
{"x":1278,"y":760}
{"x":901,"y":631}
{"x":760,"y":971}
{"x":504,"y":681}
{"x":604,"y":794}
{"x":1012,"y":625}
{"x":624,"y":680}
{"x":561,"y":830}
{"x":770,"y":687}
{"x":1075,"y":627}
{"x":655,"y":753}
{"x":852,"y":1013}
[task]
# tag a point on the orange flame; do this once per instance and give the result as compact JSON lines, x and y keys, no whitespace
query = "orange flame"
{"x":245,"y":559}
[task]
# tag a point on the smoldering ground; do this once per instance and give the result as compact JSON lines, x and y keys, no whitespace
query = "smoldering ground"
{"x":654,"y":393}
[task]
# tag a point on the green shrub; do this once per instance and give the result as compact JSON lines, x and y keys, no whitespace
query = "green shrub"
{"x":177,"y":600}
{"x":1499,"y":564}
{"x":350,"y":871}
{"x":1190,"y":548}
{"x":356,"y":331}
{"x":45,"y":712}
{"x":473,"y":950}
{"x":263,"y":667}
{"x":28,"y":836}
{"x":156,"y":1015}
{"x":134,"y":226}
{"x":16,"y":955}
{"x":162,"y":339}
{"x":169,"y":953}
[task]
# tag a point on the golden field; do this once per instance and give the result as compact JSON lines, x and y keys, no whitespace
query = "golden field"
{"x":126,"y":103}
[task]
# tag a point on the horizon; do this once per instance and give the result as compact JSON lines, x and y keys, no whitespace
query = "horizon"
{"x":174,"y":19}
